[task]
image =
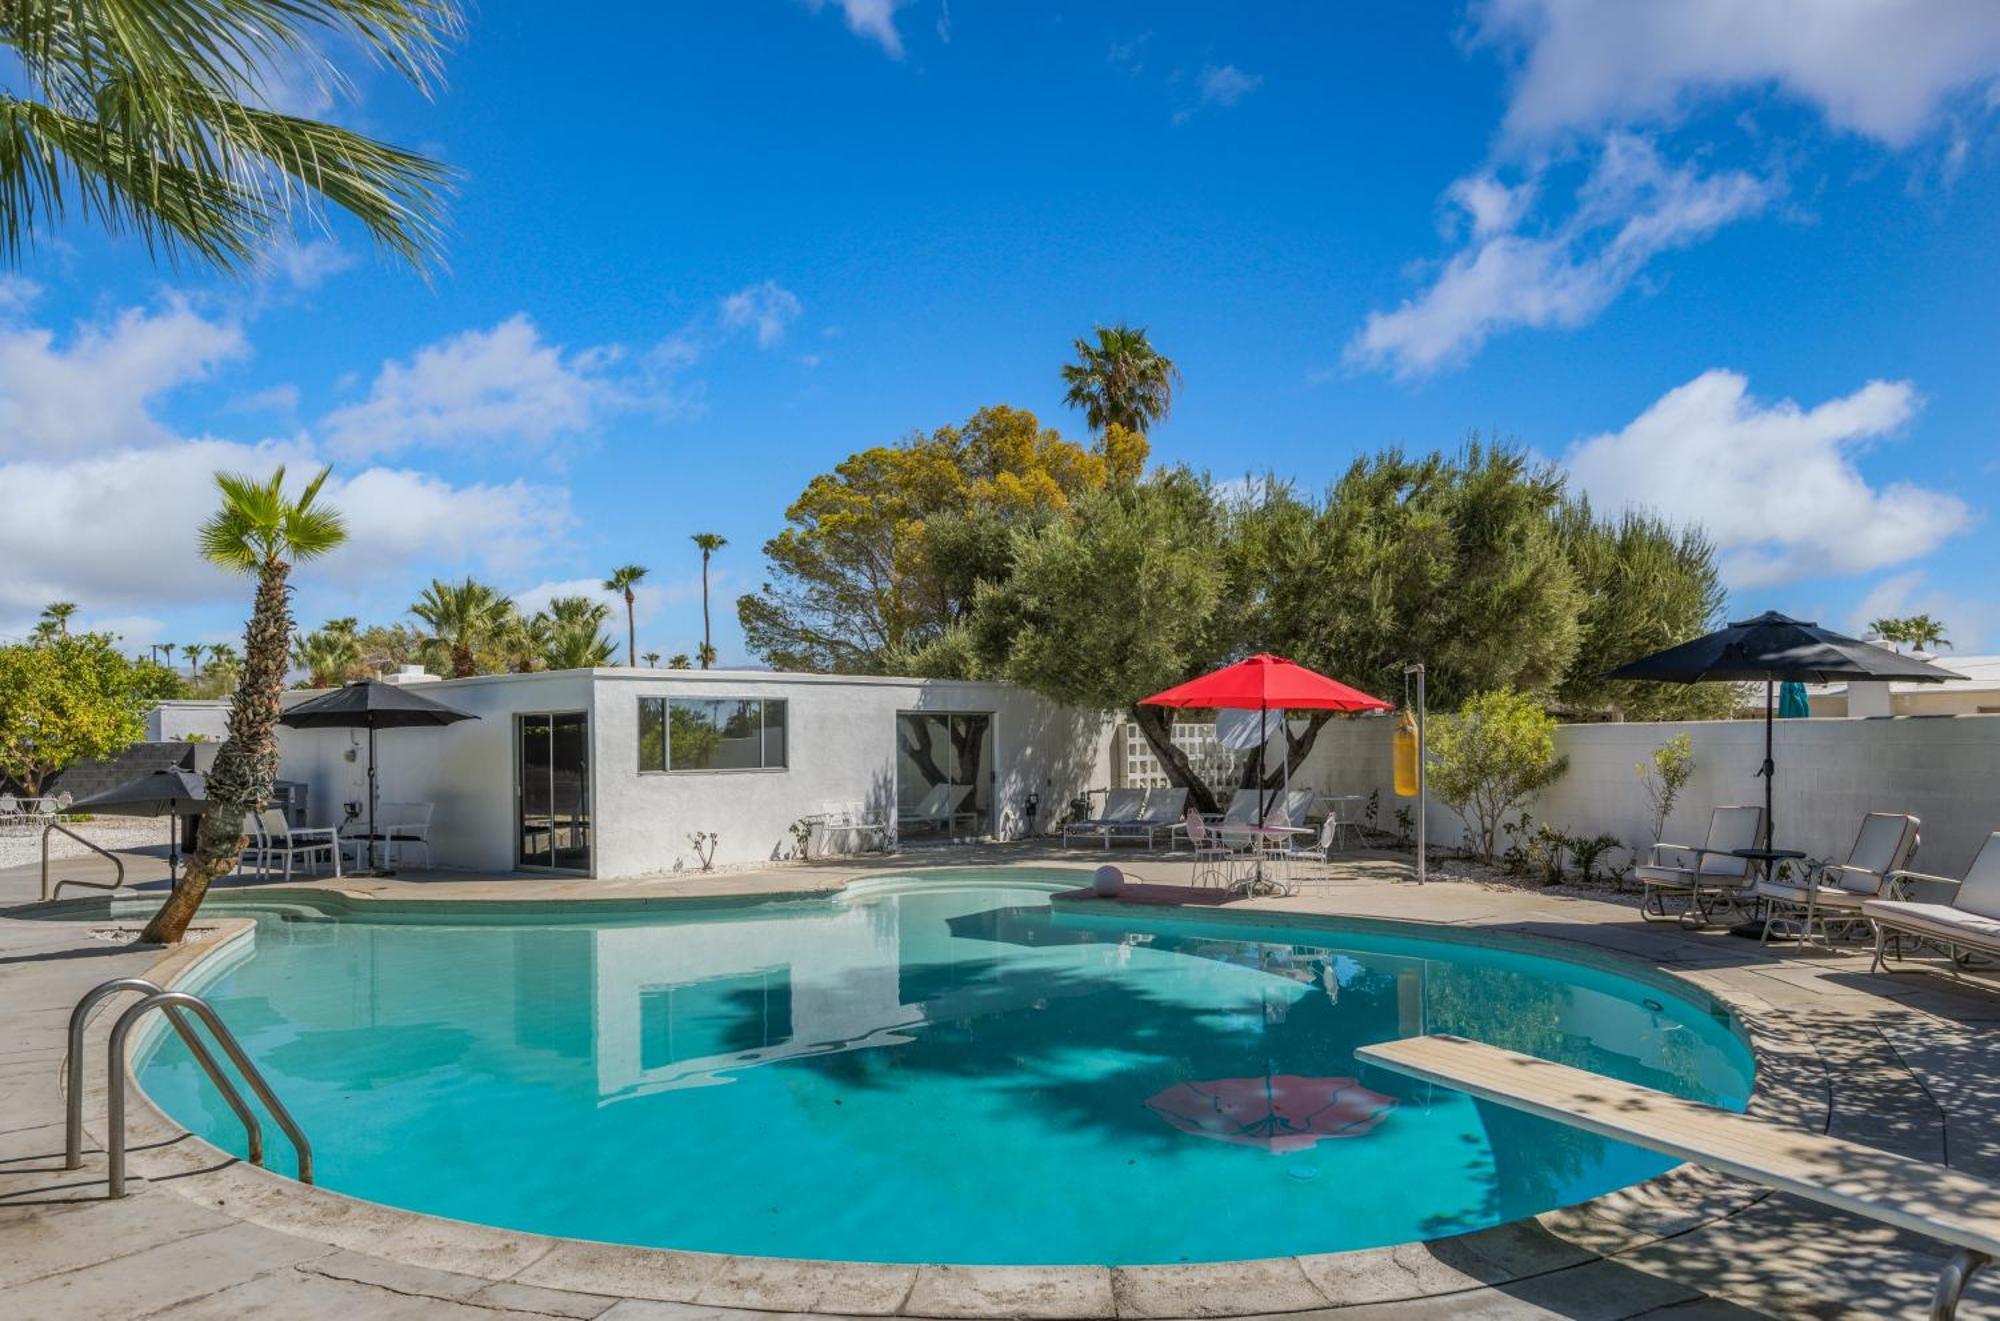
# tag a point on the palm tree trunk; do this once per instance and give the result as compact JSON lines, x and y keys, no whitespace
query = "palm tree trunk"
{"x":707,"y":644}
{"x":247,"y":762}
{"x":631,"y":633}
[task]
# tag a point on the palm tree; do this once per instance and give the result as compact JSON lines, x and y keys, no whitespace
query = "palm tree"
{"x":710,"y":543}
{"x":679,"y":661}
{"x":652,"y":659}
{"x":328,"y":655}
{"x":155,"y":120}
{"x":574,"y":640}
{"x":168,"y":649}
{"x":622,"y":581}
{"x":58,"y":613}
{"x":194,"y":651}
{"x":261,"y":530}
{"x":462,"y":617}
{"x":1121,"y":380}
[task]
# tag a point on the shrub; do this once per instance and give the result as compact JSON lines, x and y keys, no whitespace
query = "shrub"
{"x":1672,"y":766}
{"x":1490,"y":758}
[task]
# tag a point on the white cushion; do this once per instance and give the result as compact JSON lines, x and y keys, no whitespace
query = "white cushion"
{"x":1941,"y":920}
{"x":1825,"y":896}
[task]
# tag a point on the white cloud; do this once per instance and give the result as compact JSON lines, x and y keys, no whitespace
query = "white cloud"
{"x":1776,"y":486}
{"x":276,"y":399}
{"x":1881,"y":68}
{"x":873,"y":19}
{"x":92,"y":392}
{"x":306,"y":265}
{"x":17,"y":293}
{"x":505,"y":384}
{"x":115,"y":531}
{"x":769,"y":307}
{"x":1226,"y":84}
{"x":1632,"y":207}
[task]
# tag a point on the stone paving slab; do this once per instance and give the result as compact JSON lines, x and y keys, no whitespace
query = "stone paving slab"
{"x":1905,"y":1062}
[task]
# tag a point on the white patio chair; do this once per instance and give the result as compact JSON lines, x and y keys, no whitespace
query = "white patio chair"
{"x":1214,"y":861}
{"x":279,"y":845}
{"x":1162,"y":814}
{"x":1970,"y":922}
{"x":1701,"y":875}
{"x":1320,"y":850}
{"x":13,"y":820}
{"x":1834,"y":892}
{"x":398,"y":826}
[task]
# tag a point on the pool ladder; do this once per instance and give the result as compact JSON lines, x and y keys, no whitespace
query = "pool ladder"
{"x":177,"y":1006}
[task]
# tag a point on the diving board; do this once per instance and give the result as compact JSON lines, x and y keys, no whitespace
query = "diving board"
{"x":1932,"y":1200}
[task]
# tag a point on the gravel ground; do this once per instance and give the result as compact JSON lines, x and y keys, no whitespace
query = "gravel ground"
{"x":106,"y":832}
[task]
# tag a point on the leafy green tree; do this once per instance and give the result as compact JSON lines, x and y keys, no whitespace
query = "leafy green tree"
{"x":629,"y":576}
{"x":709,"y":542}
{"x":154,"y":119}
{"x":1126,"y":596}
{"x":463,"y":618}
{"x":1121,"y":380}
{"x":73,"y":698}
{"x":1646,"y":585}
{"x":219,"y":676}
{"x":262,"y":530}
{"x":1449,"y":559}
{"x":1489,"y":759}
{"x":884,"y":554}
{"x":1663,"y":775}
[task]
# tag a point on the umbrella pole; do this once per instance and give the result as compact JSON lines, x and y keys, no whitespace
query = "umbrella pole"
{"x":371,"y":795}
{"x":1770,"y":768}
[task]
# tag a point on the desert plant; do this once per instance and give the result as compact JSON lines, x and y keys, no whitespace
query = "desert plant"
{"x":1406,"y":826}
{"x":1663,"y":777}
{"x":704,"y":842}
{"x":802,"y":831}
{"x":1487,"y":760}
{"x":1588,"y":853}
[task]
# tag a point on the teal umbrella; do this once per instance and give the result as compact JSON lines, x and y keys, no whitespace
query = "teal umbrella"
{"x":1792,"y":700}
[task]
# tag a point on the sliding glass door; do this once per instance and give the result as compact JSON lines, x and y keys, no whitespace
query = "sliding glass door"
{"x":552,"y":786}
{"x":944,"y":775}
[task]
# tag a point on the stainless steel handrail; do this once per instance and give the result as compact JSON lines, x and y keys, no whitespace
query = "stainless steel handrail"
{"x":171,"y":1003}
{"x":115,"y":1058}
{"x":73,"y":1112}
{"x":116,"y":861}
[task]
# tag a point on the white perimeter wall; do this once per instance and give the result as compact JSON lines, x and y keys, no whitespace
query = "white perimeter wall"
{"x":1944,"y":769}
{"x":841,"y":755}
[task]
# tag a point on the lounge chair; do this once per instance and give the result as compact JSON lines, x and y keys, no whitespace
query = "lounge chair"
{"x":1163,"y":813}
{"x":1835,"y":891}
{"x":1702,"y":875}
{"x":1121,"y":808}
{"x":1971,"y":921}
{"x":943,"y":806}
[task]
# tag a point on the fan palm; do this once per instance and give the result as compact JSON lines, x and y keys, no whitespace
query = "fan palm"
{"x":329,"y":656}
{"x":622,"y":581}
{"x":462,"y":617}
{"x":58,"y":613}
{"x":156,"y":119}
{"x":1121,"y":380}
{"x":194,"y":651}
{"x":574,"y":640}
{"x":260,"y":529}
{"x":710,"y":542}
{"x":652,"y":659}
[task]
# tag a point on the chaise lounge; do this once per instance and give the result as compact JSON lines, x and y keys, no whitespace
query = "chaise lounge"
{"x":1836,"y":891}
{"x":1970,"y":922}
{"x":1709,"y":877}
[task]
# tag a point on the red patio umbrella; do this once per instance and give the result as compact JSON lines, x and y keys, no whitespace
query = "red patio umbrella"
{"x":1265,"y":683}
{"x":1278,"y":1112}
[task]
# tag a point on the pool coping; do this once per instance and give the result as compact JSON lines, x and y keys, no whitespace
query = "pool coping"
{"x":1787,"y":1088}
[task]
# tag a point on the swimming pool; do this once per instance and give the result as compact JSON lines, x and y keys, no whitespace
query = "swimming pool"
{"x":929,"y":1070}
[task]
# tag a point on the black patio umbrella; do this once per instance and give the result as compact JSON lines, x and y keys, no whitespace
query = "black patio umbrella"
{"x":1773,"y":648}
{"x":172,"y":792}
{"x":371,"y":705}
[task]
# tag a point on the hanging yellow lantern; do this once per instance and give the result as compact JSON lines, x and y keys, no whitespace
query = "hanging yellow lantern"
{"x":1405,"y":748}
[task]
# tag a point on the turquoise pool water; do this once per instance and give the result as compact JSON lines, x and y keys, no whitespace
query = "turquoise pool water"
{"x":929,"y":1070}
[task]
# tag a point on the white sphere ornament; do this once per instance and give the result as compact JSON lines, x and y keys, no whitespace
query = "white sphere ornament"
{"x":1108,"y":881}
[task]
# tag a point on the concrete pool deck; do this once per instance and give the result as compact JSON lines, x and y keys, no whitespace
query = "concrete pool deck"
{"x":1904,"y":1063}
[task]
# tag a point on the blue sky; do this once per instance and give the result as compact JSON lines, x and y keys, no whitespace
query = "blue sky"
{"x":1713,"y":257}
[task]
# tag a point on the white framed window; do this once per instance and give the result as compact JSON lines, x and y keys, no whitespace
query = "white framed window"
{"x":692,"y":734}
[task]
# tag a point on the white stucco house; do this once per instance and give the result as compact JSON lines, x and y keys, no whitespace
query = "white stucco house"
{"x":608,"y":772}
